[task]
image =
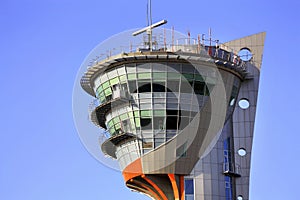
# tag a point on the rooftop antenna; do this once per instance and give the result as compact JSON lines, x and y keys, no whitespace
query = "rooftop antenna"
{"x":148,"y":23}
{"x":209,"y":34}
{"x":149,"y":28}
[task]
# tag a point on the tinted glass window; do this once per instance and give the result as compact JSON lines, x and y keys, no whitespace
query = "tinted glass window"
{"x":189,"y":186}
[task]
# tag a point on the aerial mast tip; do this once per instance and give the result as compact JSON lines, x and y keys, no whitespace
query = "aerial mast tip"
{"x":149,"y":28}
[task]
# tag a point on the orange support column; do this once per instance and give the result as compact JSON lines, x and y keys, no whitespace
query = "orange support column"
{"x":174,"y":186}
{"x":150,"y":191}
{"x":181,"y":192}
{"x":160,"y":192}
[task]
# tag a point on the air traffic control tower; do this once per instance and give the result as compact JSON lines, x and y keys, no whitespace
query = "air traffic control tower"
{"x":180,"y":114}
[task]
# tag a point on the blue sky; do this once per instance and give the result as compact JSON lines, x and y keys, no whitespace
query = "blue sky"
{"x":43,"y":44}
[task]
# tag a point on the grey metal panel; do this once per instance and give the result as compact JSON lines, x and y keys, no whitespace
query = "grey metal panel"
{"x":242,"y":131}
{"x":254,"y":42}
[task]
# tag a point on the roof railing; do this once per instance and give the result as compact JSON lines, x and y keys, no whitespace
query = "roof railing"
{"x":160,"y":43}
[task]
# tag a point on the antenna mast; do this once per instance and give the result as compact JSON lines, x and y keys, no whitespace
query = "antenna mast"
{"x":147,"y":14}
{"x":149,"y":28}
{"x":150,"y":11}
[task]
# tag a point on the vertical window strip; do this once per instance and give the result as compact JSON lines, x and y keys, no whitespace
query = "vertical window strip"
{"x":189,"y":188}
{"x":227,"y":166}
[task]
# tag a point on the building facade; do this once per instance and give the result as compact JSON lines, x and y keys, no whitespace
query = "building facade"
{"x":180,"y":117}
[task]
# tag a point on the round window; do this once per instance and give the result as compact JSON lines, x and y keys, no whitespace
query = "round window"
{"x":244,"y":103}
{"x":245,"y":54}
{"x":242,"y":152}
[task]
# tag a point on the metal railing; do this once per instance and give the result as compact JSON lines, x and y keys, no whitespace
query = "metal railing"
{"x":186,"y":45}
{"x":119,"y":95}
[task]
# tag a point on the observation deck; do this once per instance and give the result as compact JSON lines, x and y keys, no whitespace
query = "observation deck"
{"x":184,"y":49}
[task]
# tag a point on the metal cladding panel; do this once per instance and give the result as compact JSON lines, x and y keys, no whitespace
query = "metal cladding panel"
{"x":243,"y":129}
{"x":213,"y":179}
{"x":199,"y":136}
{"x":255,"y":43}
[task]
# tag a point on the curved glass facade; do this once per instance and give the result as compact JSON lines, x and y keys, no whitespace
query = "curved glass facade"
{"x":161,"y":98}
{"x":153,"y":77}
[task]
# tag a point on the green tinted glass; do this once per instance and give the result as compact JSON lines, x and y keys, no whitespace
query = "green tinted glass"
{"x":112,"y":130}
{"x":131,"y":76}
{"x":123,"y":78}
{"x":144,"y":75}
{"x":110,"y":123}
{"x":159,"y":113}
{"x":130,"y":114}
{"x":107,"y":92}
{"x":172,"y":75}
{"x":102,"y":99}
{"x":118,"y":126}
{"x":159,"y":75}
{"x":116,"y":120}
{"x":101,"y":95}
{"x":137,"y":122}
{"x":146,"y":113}
{"x":114,"y":81}
{"x":188,"y":76}
{"x":136,"y":113}
{"x":105,"y":85}
{"x":99,"y":89}
{"x":198,"y":77}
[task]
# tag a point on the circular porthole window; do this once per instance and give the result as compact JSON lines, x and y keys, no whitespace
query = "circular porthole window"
{"x":244,"y":103}
{"x":240,"y":197}
{"x":245,"y":54}
{"x":242,"y":152}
